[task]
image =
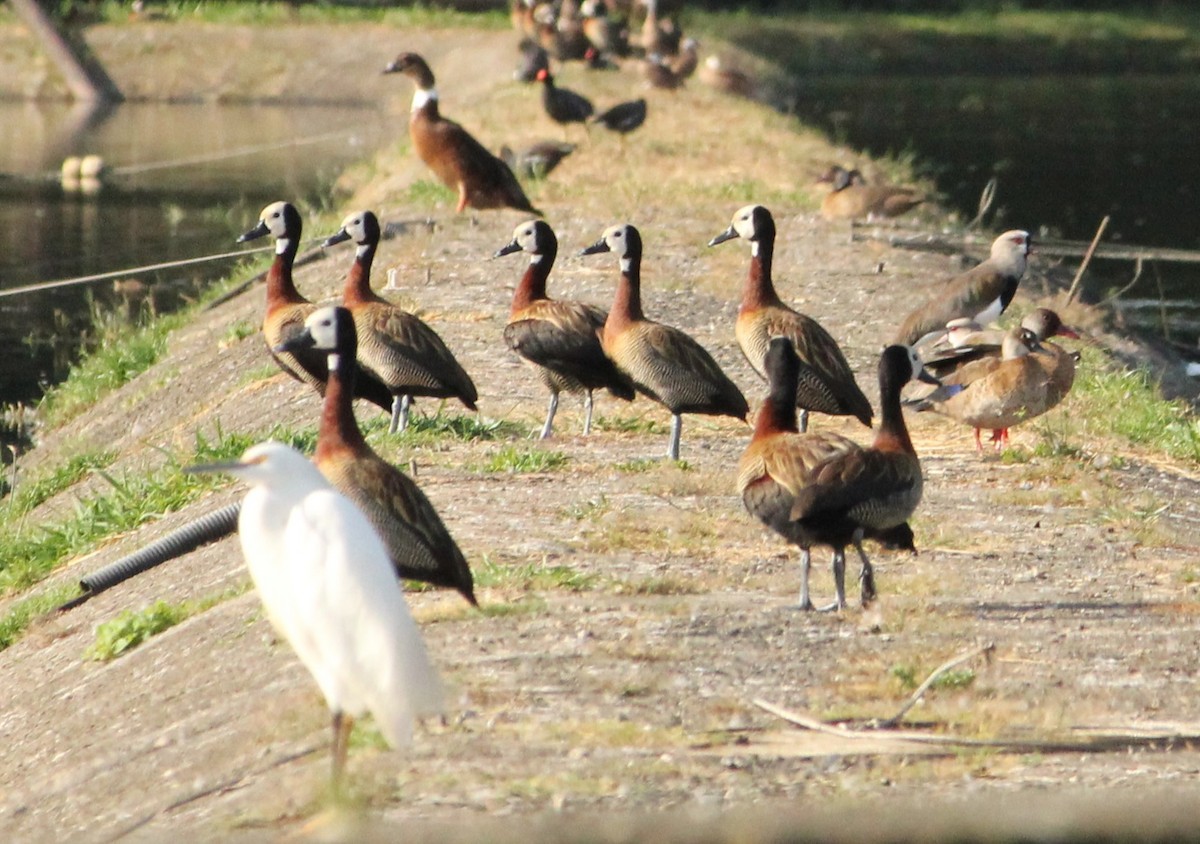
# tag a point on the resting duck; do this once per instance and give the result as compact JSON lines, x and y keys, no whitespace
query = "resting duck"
{"x":538,"y":159}
{"x":826,"y":383}
{"x":824,"y":489}
{"x":981,"y":294}
{"x":481,"y":179}
{"x":1027,"y":380}
{"x":287,"y":310}
{"x":966,"y":341}
{"x":851,"y":198}
{"x":395,"y":347}
{"x":559,"y":339}
{"x":663,"y":362}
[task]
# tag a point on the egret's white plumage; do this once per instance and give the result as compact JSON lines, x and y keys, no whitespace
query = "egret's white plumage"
{"x":328,"y":586}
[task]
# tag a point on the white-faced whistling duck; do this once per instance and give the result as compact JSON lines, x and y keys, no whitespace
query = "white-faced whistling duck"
{"x":462,"y":163}
{"x":417,"y":541}
{"x":981,"y":293}
{"x":1028,"y":379}
{"x":560,"y":339}
{"x":395,"y":347}
{"x":287,"y":309}
{"x":663,"y":362}
{"x":827,"y":385}
{"x":824,"y":489}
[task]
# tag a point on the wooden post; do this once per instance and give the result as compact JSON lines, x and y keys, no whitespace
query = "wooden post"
{"x":85,"y":77}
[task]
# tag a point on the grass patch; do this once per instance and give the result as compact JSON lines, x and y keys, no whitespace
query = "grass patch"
{"x":529,"y":577}
{"x":428,"y":192}
{"x":441,"y":426}
{"x":630,"y":425}
{"x":22,"y":613}
{"x":133,"y":627}
{"x":32,"y":493}
{"x":409,"y":15}
{"x":1125,"y":403}
{"x":514,"y":460}
{"x":28,"y":554}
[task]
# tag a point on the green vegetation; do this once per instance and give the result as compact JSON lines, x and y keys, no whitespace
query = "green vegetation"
{"x":428,"y":430}
{"x":412,"y":15}
{"x":29,"y":553}
{"x":131,"y":628}
{"x":30,"y":494}
{"x":22,"y":613}
{"x":1009,"y":40}
{"x":525,"y":577}
{"x":908,"y":678}
{"x":510,"y":458}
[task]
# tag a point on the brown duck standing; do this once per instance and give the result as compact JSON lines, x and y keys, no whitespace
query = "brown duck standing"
{"x":663,"y":362}
{"x":967,"y":342}
{"x":560,"y":339}
{"x":824,"y":489}
{"x":981,"y":293}
{"x":826,"y":383}
{"x":1028,"y":380}
{"x":395,"y":347}
{"x":481,"y":179}
{"x":416,"y":539}
{"x":286,"y":309}
{"x":851,"y":198}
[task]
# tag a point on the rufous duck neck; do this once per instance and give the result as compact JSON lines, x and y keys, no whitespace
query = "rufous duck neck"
{"x":357,"y":290}
{"x":760,"y":290}
{"x":532,"y":286}
{"x":776,"y":416}
{"x":281,"y":290}
{"x":627,"y":305}
{"x":339,"y":430}
{"x":893,"y":432}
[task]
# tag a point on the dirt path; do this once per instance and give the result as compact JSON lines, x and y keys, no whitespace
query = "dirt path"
{"x":637,"y":611}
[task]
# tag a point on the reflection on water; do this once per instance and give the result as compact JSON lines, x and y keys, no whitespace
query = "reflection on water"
{"x":1065,"y":150}
{"x":143,"y":214}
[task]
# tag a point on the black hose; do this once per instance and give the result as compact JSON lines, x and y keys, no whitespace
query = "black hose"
{"x":213,"y":526}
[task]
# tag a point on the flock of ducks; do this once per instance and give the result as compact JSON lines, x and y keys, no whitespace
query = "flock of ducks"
{"x":346,"y":616}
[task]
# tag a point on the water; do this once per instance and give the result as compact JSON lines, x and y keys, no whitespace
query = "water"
{"x":1066,"y":150}
{"x":156,"y":215}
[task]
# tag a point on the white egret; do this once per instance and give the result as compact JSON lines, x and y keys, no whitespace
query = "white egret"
{"x":328,"y":586}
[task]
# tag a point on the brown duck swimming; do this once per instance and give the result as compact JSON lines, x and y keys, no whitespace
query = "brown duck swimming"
{"x":981,"y":293}
{"x":824,"y":489}
{"x":1027,"y":380}
{"x":663,"y":362}
{"x":462,"y":163}
{"x":560,"y":339}
{"x":395,"y":347}
{"x":287,"y":309}
{"x":826,"y":383}
{"x":416,"y":539}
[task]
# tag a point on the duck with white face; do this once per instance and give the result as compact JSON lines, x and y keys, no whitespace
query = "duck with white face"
{"x":663,"y":362}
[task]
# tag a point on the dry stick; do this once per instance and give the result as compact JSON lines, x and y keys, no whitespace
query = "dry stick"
{"x":1086,"y":260}
{"x":985,"y":202}
{"x":1137,"y":273}
{"x":985,"y":650}
{"x":1099,"y":743}
{"x":1162,"y":305}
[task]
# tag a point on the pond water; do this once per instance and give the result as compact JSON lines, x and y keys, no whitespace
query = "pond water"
{"x":1065,"y":150}
{"x":188,"y":180}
